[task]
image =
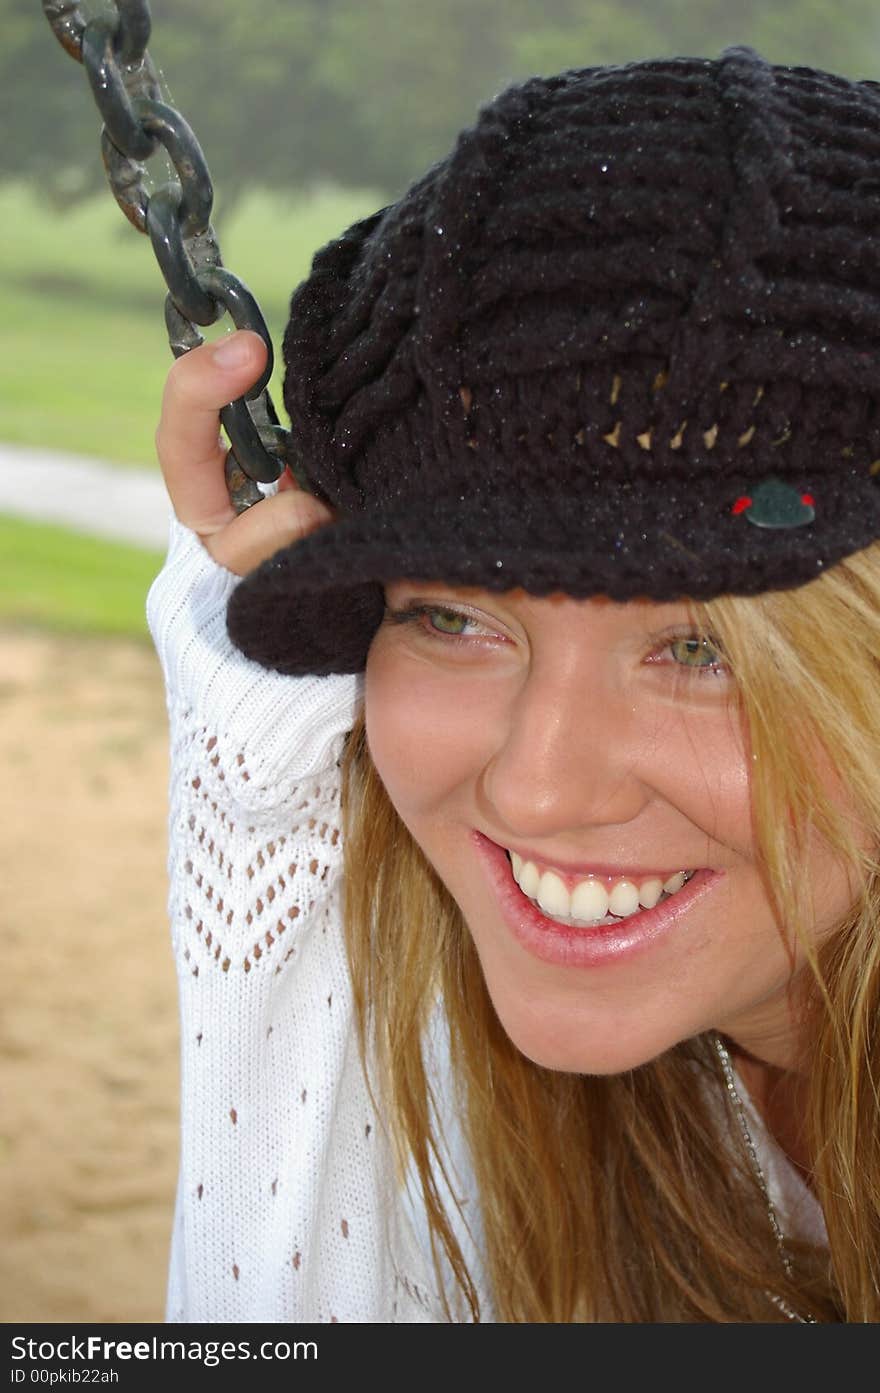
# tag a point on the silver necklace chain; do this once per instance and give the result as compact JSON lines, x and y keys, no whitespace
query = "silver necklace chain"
{"x":757,"y":1171}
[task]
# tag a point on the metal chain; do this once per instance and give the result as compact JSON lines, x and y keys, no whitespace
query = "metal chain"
{"x":758,"y":1172}
{"x":176,"y":217}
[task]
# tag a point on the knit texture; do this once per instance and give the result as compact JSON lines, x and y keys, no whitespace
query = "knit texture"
{"x":574,"y":354}
{"x":288,"y":1208}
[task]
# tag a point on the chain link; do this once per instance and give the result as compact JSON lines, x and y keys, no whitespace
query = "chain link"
{"x":175,"y":217}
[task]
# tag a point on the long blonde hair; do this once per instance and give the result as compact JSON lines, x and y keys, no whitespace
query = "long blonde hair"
{"x":603,"y":1198}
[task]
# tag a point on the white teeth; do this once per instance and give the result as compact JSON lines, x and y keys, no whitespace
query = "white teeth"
{"x":529,"y":879}
{"x":590,"y":902}
{"x":675,"y":882}
{"x":624,"y":899}
{"x":552,"y":895}
{"x":649,"y":893}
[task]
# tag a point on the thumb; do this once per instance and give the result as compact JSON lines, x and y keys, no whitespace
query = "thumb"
{"x":260,"y":531}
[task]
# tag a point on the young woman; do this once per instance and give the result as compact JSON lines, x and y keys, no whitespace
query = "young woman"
{"x":524,"y":792}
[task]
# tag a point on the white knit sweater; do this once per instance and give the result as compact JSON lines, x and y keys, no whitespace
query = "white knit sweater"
{"x":288,"y":1208}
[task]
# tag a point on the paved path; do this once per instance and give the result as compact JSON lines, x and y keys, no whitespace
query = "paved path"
{"x":127,"y":505}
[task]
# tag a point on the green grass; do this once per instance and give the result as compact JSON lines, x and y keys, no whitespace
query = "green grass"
{"x":54,"y":579}
{"x":83,"y":351}
{"x":83,"y":357}
{"x":78,"y":377}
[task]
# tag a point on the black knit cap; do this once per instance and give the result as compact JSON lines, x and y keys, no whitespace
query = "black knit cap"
{"x":623,"y":340}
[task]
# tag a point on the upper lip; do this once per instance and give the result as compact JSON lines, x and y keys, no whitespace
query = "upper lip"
{"x":601,"y":869}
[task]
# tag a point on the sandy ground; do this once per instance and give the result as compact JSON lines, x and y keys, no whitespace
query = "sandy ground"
{"x":88,"y":1027}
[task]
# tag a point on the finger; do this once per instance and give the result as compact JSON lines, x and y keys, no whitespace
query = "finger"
{"x":191,"y":454}
{"x":265,"y":528}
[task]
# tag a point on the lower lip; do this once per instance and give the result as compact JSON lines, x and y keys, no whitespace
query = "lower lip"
{"x":570,"y":947}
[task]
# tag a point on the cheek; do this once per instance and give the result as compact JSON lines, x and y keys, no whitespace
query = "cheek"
{"x":427,"y":738}
{"x":700,"y":766}
{"x":719,"y":799}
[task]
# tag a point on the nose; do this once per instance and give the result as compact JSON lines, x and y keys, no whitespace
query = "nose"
{"x":574,"y":754}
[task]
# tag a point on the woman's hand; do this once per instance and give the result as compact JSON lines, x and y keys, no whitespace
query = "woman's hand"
{"x":193,"y":458}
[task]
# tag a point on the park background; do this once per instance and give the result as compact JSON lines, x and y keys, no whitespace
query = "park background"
{"x":311,"y":113}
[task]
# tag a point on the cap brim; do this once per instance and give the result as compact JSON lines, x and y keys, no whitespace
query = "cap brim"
{"x":314,"y":606}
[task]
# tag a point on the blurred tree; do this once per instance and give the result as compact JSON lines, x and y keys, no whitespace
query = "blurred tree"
{"x":369,"y":92}
{"x":819,"y":33}
{"x":49,"y":133}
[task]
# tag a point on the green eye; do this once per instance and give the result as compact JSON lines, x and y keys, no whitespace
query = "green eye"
{"x":695,"y":652}
{"x":447,"y":621}
{"x":437,"y":621}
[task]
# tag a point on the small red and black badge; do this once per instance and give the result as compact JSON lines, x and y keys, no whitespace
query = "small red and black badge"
{"x":775,"y":504}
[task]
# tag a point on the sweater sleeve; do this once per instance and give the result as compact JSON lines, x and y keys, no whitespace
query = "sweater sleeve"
{"x":287,"y":1206}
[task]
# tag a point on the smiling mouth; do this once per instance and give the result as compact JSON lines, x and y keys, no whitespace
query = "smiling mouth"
{"x":593,"y":901}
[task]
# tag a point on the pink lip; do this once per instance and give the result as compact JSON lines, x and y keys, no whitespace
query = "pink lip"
{"x":570,"y":947}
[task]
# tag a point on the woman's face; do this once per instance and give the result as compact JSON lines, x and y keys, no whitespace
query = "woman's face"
{"x":560,"y":760}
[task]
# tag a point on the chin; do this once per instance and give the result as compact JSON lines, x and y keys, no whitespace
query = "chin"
{"x":566,"y":1046}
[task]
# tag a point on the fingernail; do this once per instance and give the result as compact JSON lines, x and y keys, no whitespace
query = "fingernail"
{"x":232,"y":352}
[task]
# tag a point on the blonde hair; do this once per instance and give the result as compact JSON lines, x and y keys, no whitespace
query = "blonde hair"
{"x":603,"y":1198}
